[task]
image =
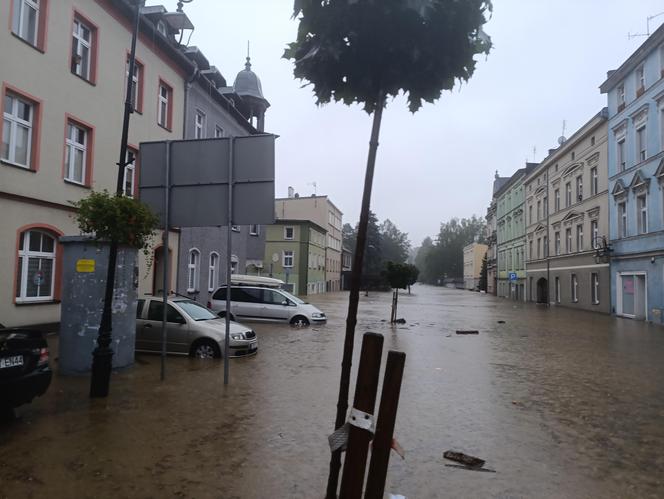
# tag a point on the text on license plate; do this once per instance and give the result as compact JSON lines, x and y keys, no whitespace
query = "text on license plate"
{"x":16,"y":360}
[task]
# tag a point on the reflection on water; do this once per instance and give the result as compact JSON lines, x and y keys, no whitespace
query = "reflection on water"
{"x":560,"y":403}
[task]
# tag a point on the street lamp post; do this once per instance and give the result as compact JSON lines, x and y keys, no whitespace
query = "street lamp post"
{"x":102,"y":356}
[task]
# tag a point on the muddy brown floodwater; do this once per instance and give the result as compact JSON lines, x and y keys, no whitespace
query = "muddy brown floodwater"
{"x":561,"y":404}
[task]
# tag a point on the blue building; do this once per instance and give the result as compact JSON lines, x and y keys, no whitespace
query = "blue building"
{"x":636,"y":178}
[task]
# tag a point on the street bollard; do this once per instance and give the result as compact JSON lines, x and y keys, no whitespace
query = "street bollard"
{"x":387,"y":415}
{"x":359,"y":434}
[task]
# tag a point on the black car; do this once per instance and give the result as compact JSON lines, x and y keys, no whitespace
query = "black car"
{"x":24,"y":370}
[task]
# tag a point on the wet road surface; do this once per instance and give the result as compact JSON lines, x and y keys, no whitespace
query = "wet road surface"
{"x":561,"y":404}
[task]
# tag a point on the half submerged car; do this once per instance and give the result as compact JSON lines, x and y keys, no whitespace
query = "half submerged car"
{"x":191,"y":329}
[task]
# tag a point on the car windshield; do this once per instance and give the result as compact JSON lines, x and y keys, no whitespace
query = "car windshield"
{"x":196,"y":311}
{"x":292,"y":297}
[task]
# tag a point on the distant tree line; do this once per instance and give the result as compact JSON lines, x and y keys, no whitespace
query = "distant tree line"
{"x":385,"y":244}
{"x":443,"y":257}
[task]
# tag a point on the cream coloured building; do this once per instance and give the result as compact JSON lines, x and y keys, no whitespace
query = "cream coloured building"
{"x":473,"y":254}
{"x":321,"y":210}
{"x":63,"y":82}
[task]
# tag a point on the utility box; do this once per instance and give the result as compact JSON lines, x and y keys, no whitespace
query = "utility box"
{"x":84,"y":268}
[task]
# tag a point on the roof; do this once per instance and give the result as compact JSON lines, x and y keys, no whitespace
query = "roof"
{"x":311,"y":197}
{"x":615,"y":77}
{"x":247,"y":83}
{"x":516,"y":176}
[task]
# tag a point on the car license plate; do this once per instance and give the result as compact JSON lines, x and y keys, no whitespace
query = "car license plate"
{"x":16,"y":360}
{"x":253,"y":346}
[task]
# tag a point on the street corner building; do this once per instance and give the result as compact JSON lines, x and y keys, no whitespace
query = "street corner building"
{"x":635,"y":93}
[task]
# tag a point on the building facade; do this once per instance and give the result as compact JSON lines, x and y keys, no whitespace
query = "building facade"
{"x":320,"y":210}
{"x":64,"y":72}
{"x":511,"y":236}
{"x":295,"y":253}
{"x":473,"y":255}
{"x":635,"y":93}
{"x":492,"y":238}
{"x":567,"y":222}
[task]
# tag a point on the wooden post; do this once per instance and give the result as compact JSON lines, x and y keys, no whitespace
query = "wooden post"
{"x":352,"y":479}
{"x":387,"y":414}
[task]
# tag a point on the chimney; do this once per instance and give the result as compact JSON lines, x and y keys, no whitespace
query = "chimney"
{"x":291,"y":191}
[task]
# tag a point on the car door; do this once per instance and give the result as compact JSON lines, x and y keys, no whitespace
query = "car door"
{"x":140,"y":322}
{"x":246,"y":302}
{"x":273,"y":305}
{"x":177,"y":329}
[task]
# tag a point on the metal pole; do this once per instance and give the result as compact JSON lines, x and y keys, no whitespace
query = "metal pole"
{"x":548,"y":243}
{"x":229,"y":249}
{"x":102,"y":356}
{"x":166,"y":254}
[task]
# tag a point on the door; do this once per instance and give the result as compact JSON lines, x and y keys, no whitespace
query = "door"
{"x":627,"y":295}
{"x":177,"y":330}
{"x":247,"y":302}
{"x":273,"y":305}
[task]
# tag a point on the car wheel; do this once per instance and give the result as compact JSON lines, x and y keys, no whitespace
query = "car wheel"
{"x":205,"y":349}
{"x":299,"y":320}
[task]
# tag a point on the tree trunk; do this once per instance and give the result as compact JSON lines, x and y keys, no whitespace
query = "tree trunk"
{"x":353,"y":301}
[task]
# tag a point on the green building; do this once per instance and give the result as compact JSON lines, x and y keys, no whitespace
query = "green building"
{"x":295,"y":253}
{"x":511,"y":236}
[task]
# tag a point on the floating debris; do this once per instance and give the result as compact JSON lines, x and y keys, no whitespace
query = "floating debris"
{"x":465,"y":459}
{"x":467,"y":331}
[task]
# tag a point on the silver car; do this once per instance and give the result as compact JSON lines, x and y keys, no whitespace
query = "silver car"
{"x":191,"y":329}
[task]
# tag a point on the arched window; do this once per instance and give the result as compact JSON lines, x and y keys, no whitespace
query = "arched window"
{"x":234,"y":264}
{"x":212,"y":272}
{"x":36,"y":266}
{"x":194,"y":270}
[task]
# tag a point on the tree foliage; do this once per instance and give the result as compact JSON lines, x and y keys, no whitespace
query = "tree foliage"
{"x":395,"y":245}
{"x":349,"y":50}
{"x":120,"y":218}
{"x":444,"y":258}
{"x":397,"y":275}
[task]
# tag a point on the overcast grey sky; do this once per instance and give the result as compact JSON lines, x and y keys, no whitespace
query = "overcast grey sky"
{"x":548,"y":60}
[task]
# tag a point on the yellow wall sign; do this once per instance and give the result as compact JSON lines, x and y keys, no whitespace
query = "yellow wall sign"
{"x":85,"y":265}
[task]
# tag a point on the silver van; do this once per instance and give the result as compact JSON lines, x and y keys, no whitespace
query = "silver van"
{"x":261,"y":299}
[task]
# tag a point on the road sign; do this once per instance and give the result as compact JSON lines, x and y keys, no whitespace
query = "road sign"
{"x":513,"y":276}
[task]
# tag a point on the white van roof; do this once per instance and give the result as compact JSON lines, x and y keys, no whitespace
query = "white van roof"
{"x":256,"y":280}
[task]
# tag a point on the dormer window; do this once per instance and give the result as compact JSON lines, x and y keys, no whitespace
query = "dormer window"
{"x":161,"y":27}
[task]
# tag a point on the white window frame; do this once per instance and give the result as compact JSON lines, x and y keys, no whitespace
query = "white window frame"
{"x":292,"y":235}
{"x":594,"y":288}
{"x":193,"y":270}
{"x":640,"y":74}
{"x":556,"y":199}
{"x":557,"y":242}
{"x":579,"y":188}
{"x":288,"y":259}
{"x":622,"y":219}
{"x":642,"y":213}
{"x":254,"y":230}
{"x":135,"y":82}
{"x":579,"y":238}
{"x":162,"y":110}
{"x":72,"y":147}
{"x":620,"y":154}
{"x":80,"y":43}
{"x":199,"y":124}
{"x":641,"y":143}
{"x":129,"y":175}
{"x":18,"y":18}
{"x":568,"y":240}
{"x":25,"y":254}
{"x":621,"y":94}
{"x":574,"y":281}
{"x":212,"y":270}
{"x":594,"y":181}
{"x":557,"y":289}
{"x":13,"y":121}
{"x":594,"y":231}
{"x":568,"y":194}
{"x":218,"y":132}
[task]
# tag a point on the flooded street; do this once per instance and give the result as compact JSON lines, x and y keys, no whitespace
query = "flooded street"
{"x":560,"y":403}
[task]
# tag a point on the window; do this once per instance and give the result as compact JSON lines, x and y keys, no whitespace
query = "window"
{"x":129,"y":181}
{"x":640,"y":80}
{"x":235,"y":228}
{"x":161,"y":27}
{"x":573,"y":155}
{"x":193,"y":270}
{"x":539,"y":247}
{"x":234,"y":264}
{"x":254,"y":230}
{"x":575,"y":288}
{"x":530,"y":250}
{"x":218,"y":132}
{"x":212,"y":271}
{"x":545,"y":206}
{"x":594,"y":288}
{"x":288,"y":259}
{"x":620,"y":155}
{"x":77,"y":153}
{"x":288,"y":232}
{"x":557,"y":290}
{"x":557,"y":242}
{"x":136,"y":85}
{"x":156,"y":312}
{"x":641,"y":144}
{"x":545,"y":246}
{"x":579,"y":188}
{"x":642,"y":213}
{"x":594,"y":181}
{"x":556,"y":199}
{"x":165,"y":106}
{"x":530,"y":213}
{"x":199,"y":125}
{"x":568,"y":240}
{"x":592,"y":141}
{"x":568,"y":194}
{"x":579,"y":238}
{"x":621,"y":96}
{"x":83,"y":49}
{"x":28,"y":21}
{"x":19,"y":129}
{"x":36,"y":267}
{"x":622,"y":219}
{"x":594,"y":232}
{"x":539,"y":210}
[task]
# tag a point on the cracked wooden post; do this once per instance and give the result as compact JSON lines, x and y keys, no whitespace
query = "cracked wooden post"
{"x":359,"y":434}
